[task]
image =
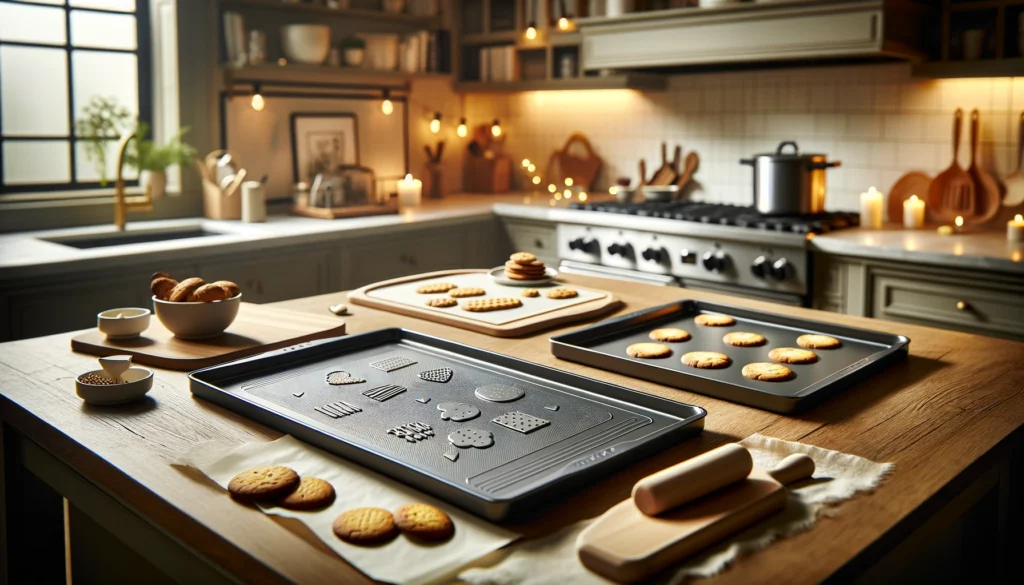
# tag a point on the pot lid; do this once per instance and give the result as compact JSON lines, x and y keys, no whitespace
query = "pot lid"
{"x":793,"y":154}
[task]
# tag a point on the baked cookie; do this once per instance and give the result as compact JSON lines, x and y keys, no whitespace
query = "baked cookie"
{"x":646,"y":350}
{"x":231,"y":288}
{"x":767,"y":372}
{"x":816,"y":341}
{"x":520,"y":276}
{"x":157,"y":275}
{"x":705,"y":360}
{"x":311,"y":494}
{"x":531,"y":293}
{"x":792,"y":355}
{"x":162,"y":286}
{"x":209,"y":293}
{"x":435,"y":288}
{"x":670,"y":334}
{"x":562,"y":293}
{"x":522,"y":258}
{"x":424,"y":522}
{"x":495,"y":304}
{"x":184,"y":289}
{"x":529,"y":267}
{"x":744,"y":339}
{"x":470,"y":291}
{"x":365,"y":526}
{"x":442,"y":302}
{"x":712,"y":320}
{"x":263,"y":483}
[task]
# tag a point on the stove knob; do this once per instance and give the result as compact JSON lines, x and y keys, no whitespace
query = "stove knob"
{"x":761,"y":267}
{"x":715,"y":261}
{"x":781,"y":270}
{"x":653,"y":254}
{"x":583,"y":245}
{"x":619,"y":250}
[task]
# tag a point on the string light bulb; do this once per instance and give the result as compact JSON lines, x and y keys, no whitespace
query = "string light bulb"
{"x":536,"y":180}
{"x":462,"y":131}
{"x":552,"y":188}
{"x":386,"y":106}
{"x":496,"y":128}
{"x":531,"y":31}
{"x":563,"y":23}
{"x":435,"y":124}
{"x":532,"y":168}
{"x":568,"y":181}
{"x":583,"y":196}
{"x":258,"y":103}
{"x":526,"y":163}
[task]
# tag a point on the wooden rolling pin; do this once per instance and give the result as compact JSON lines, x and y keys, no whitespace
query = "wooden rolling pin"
{"x":695,"y":504}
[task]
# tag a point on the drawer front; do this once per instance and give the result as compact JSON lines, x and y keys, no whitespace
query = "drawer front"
{"x":273,"y":278}
{"x":989,"y":309}
{"x":536,"y":239}
{"x":385,"y":258}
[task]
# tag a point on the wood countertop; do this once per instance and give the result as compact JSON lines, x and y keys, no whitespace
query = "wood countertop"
{"x":954,"y":402}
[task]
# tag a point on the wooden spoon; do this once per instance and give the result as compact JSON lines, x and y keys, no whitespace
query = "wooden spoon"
{"x":666,"y":174}
{"x":952,"y":190}
{"x":1014,"y":182}
{"x":986,"y":202}
{"x":689,"y":167}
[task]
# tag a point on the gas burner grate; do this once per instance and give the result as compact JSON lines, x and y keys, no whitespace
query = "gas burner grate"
{"x":726,"y":214}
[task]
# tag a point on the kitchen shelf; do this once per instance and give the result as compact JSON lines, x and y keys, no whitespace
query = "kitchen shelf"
{"x":621,"y":81}
{"x":313,"y":74}
{"x":492,"y":38}
{"x":979,"y":68}
{"x":982,"y":4}
{"x":317,"y":9}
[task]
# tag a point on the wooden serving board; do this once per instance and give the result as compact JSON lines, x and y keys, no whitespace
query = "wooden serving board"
{"x":398,"y":296}
{"x":258,"y":328}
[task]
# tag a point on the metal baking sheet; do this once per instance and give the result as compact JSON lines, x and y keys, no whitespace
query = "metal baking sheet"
{"x":406,"y":294}
{"x":500,"y":435}
{"x":863,"y":352}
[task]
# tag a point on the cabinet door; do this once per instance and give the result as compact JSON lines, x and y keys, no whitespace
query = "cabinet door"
{"x":536,"y":238}
{"x":275,"y":277}
{"x":375,"y":259}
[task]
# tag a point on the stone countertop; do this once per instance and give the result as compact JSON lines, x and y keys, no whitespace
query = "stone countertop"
{"x":28,"y":254}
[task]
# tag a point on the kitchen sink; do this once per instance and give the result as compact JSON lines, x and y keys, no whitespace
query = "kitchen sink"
{"x":109,"y":239}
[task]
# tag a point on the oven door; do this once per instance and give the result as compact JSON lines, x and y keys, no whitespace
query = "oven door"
{"x":747,"y":293}
{"x":570,"y":267}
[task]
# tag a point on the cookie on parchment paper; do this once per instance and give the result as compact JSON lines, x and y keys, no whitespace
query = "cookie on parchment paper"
{"x":424,"y":522}
{"x":365,"y":526}
{"x":442,"y":302}
{"x":311,"y":494}
{"x":495,"y":304}
{"x":435,"y":288}
{"x":469,"y":291}
{"x":263,"y":483}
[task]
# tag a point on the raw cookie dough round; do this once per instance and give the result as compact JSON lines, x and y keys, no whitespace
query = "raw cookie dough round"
{"x":670,"y":334}
{"x":793,"y":355}
{"x":767,"y":372}
{"x":705,"y":360}
{"x":816,"y":341}
{"x":744,"y":339}
{"x":648,"y":350}
{"x":712,"y":320}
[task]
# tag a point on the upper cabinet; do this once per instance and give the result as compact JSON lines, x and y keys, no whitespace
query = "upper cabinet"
{"x":754,"y":33}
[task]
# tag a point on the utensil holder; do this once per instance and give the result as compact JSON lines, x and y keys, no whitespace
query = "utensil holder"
{"x":221,"y":203}
{"x":433,"y":181}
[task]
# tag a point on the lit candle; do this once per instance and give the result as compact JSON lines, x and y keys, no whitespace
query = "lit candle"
{"x":959,"y":223}
{"x":913,"y":213}
{"x":1015,"y":229}
{"x":410,"y":191}
{"x":871,"y":209}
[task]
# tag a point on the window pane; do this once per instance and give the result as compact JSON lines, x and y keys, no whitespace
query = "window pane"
{"x":97,"y":29}
{"x":122,"y":5}
{"x":86,"y":169}
{"x":42,"y":161}
{"x":57,"y":2}
{"x":32,"y":24}
{"x":35,"y":95}
{"x":107,"y":74}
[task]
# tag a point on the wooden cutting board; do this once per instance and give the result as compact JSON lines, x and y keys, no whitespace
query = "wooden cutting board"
{"x":398,"y":296}
{"x":257,"y":329}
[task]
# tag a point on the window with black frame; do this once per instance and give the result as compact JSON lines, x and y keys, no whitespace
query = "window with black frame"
{"x":67,"y":66}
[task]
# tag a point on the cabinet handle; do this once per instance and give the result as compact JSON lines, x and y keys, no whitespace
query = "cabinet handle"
{"x":256,"y":285}
{"x":962,"y":305}
{"x":538,"y":243}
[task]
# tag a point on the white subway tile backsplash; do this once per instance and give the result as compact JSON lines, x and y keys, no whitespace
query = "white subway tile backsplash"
{"x":901,"y":127}
{"x":863,"y":126}
{"x":917,"y":156}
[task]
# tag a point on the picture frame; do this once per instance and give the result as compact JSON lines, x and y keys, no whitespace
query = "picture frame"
{"x":344,"y":186}
{"x":322,"y":142}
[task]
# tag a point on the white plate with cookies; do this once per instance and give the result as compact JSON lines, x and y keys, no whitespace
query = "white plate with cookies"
{"x":499,"y":275}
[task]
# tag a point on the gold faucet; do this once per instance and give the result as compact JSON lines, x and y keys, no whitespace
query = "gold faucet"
{"x":122,"y":203}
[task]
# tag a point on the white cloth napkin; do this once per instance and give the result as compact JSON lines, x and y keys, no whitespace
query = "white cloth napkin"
{"x":553,"y":561}
{"x":356,"y":487}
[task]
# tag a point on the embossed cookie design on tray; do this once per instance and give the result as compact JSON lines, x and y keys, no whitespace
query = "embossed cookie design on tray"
{"x":338,"y":409}
{"x":412,"y":432}
{"x":439,"y":375}
{"x":393,"y":363}
{"x":341,"y":378}
{"x":458,"y":411}
{"x":384,"y":393}
{"x":520,"y":421}
{"x":499,"y":393}
{"x":466,"y":438}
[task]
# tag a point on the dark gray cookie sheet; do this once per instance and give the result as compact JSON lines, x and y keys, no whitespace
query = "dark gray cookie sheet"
{"x":862,"y":352}
{"x":485,"y":431}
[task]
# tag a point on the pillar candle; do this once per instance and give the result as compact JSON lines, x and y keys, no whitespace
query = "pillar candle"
{"x":871,"y":209}
{"x":913,"y":213}
{"x":410,"y":191}
{"x":1015,"y":229}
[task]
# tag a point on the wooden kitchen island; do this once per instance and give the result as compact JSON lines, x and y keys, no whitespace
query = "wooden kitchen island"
{"x":949,"y":417}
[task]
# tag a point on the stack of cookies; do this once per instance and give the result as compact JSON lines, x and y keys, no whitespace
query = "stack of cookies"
{"x":524,"y":266}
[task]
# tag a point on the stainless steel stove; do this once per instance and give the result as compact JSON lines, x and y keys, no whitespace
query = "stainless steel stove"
{"x":724,"y":248}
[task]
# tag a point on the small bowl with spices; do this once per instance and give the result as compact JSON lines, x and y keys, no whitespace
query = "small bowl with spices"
{"x":99,"y":387}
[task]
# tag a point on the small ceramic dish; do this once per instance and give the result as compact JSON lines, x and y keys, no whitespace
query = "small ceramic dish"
{"x":137,"y":382}
{"x":624,"y":194}
{"x":498,"y":275}
{"x":197,"y":320}
{"x":660,"y":194}
{"x":123,"y":323}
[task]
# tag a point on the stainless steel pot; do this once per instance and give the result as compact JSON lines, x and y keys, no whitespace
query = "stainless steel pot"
{"x":789,"y":183}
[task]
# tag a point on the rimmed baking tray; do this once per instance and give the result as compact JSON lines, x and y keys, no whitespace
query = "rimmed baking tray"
{"x":862,"y":353}
{"x":571,"y":429}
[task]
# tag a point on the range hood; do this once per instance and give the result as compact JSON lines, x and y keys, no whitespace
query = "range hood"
{"x":753,"y":33}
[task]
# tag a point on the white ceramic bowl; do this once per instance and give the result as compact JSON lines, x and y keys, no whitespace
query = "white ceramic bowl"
{"x":138,"y":381}
{"x":197,"y":320}
{"x":306,"y":43}
{"x":123,"y":323}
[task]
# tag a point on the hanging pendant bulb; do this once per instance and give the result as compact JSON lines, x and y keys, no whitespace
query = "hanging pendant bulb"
{"x":386,"y":106}
{"x":435,"y":124}
{"x":563,"y":23}
{"x":496,"y":128}
{"x":531,"y":31}
{"x":258,"y":103}
{"x":462,"y":131}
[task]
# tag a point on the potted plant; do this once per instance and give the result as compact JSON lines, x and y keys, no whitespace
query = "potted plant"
{"x":102,"y":123}
{"x":152,"y":160}
{"x":354,"y":49}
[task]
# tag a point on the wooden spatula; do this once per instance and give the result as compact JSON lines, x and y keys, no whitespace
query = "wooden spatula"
{"x":666,"y":174}
{"x":952,"y":191}
{"x":1014,"y":182}
{"x":689,"y":168}
{"x":987,"y":199}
